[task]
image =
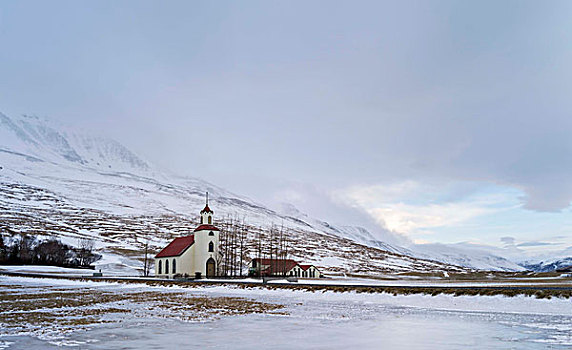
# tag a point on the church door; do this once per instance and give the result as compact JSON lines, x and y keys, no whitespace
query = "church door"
{"x":210,"y":268}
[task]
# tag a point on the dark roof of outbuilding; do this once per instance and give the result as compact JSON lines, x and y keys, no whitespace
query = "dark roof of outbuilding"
{"x":276,"y":265}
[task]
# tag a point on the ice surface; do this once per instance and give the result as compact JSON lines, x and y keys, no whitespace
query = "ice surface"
{"x":316,"y":321}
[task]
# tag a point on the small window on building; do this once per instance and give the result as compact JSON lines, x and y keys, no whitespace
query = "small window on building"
{"x":210,"y":219}
{"x":160,"y":267}
{"x":166,"y":267}
{"x":201,"y":219}
{"x":211,"y":233}
{"x":174,"y":266}
{"x":254,"y":263}
{"x":211,"y":247}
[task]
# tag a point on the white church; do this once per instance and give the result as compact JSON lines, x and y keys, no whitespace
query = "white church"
{"x":194,"y":255}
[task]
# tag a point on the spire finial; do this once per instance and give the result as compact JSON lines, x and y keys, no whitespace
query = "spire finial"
{"x":207,"y":198}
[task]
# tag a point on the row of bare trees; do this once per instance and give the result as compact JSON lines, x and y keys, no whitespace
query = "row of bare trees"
{"x":239,"y":243}
{"x":233,"y":247}
{"x":28,"y":249}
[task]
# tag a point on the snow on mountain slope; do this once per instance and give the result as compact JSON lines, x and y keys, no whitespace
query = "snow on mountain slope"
{"x":57,"y":181}
{"x":548,"y":263}
{"x":464,"y":255}
{"x":356,"y":233}
{"x":548,"y":266}
{"x":43,"y":140}
{"x":470,"y":257}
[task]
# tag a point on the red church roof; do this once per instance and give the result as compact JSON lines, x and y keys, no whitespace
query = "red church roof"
{"x":207,"y":209}
{"x":177,"y":247}
{"x":206,"y":227}
{"x":305,"y":267}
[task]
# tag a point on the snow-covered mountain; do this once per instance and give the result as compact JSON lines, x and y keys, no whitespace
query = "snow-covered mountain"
{"x":550,"y":262}
{"x":47,"y":141}
{"x":464,"y":255}
{"x":57,"y":181}
{"x":548,"y":265}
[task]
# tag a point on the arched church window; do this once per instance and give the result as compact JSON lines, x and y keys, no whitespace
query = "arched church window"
{"x":160,"y":267}
{"x":166,"y":267}
{"x":211,"y":247}
{"x":211,"y":233}
{"x":174,"y":266}
{"x":210,"y":220}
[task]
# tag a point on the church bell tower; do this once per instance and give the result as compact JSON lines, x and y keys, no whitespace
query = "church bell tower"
{"x":207,"y":214}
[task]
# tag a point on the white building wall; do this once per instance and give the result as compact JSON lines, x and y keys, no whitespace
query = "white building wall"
{"x":202,"y":254}
{"x":297,"y":271}
{"x":184,"y":264}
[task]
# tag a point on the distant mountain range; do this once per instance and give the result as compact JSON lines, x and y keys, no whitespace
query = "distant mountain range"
{"x":57,"y":181}
{"x":549,"y":265}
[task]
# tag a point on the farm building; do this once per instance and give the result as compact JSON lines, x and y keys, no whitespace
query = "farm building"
{"x":282,"y":267}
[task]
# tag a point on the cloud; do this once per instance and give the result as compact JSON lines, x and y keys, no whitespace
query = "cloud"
{"x":508,"y":240}
{"x":413,"y":207}
{"x":410,"y":112}
{"x":419,"y":218}
{"x":323,"y":205}
{"x":535,"y":244}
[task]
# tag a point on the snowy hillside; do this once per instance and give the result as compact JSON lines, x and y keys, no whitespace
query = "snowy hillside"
{"x":57,"y":181}
{"x":462,"y":255}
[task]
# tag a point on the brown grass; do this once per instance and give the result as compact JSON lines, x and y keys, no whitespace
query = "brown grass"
{"x":49,"y":309}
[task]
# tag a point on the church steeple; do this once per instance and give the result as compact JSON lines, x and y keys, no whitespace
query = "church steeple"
{"x":207,"y":213}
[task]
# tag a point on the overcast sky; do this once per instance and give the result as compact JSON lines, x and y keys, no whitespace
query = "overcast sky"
{"x":442,"y":121}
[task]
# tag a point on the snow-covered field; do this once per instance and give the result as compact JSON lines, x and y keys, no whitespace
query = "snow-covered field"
{"x":50,"y":313}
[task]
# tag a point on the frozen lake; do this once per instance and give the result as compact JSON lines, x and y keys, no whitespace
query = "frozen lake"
{"x":307,"y":320}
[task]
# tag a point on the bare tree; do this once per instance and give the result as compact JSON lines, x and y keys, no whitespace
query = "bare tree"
{"x":242,"y":236}
{"x":146,"y":261}
{"x":271,"y":249}
{"x":281,"y":250}
{"x":85,"y":251}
